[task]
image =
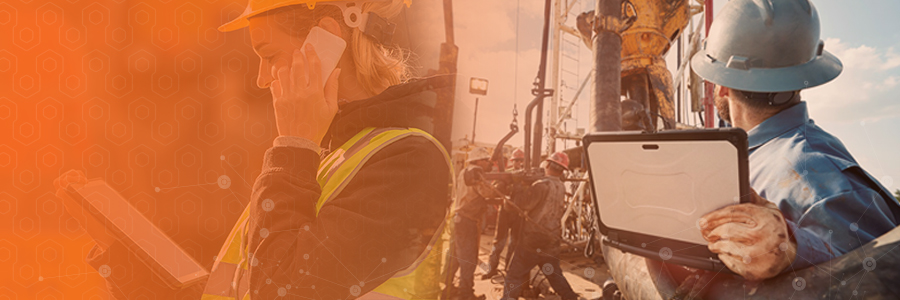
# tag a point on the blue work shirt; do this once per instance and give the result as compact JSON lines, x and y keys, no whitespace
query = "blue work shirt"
{"x":831,"y":204}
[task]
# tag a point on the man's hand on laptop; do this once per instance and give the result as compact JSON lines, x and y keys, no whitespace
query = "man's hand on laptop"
{"x":751,"y":238}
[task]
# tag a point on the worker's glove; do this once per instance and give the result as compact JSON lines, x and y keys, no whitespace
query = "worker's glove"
{"x":752,"y":239}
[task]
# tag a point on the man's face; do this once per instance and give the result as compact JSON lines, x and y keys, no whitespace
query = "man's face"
{"x":517,"y":163}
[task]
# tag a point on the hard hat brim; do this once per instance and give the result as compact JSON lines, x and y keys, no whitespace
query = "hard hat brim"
{"x":818,"y":71}
{"x":558,"y":164}
{"x":244,"y":19}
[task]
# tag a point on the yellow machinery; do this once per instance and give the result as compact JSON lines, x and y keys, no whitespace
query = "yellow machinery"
{"x":647,"y":30}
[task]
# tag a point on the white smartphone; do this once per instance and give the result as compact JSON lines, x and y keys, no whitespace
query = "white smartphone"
{"x":328,"y":46}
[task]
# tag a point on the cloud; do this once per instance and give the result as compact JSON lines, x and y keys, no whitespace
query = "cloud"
{"x":867,"y":89}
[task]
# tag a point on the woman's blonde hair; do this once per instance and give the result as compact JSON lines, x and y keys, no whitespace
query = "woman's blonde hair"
{"x":377,"y":66}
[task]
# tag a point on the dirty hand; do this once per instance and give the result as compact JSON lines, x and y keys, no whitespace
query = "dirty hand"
{"x":303,"y":106}
{"x":751,"y":238}
{"x":93,"y":227}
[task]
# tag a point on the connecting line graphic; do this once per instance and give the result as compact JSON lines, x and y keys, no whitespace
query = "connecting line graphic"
{"x":41,"y":278}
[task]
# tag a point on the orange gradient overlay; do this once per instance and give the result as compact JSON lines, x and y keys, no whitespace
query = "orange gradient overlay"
{"x":146,"y":95}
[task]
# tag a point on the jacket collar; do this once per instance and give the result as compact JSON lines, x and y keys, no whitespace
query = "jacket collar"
{"x":407,"y":105}
{"x":776,"y":125}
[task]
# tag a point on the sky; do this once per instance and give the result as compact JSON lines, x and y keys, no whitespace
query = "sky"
{"x":499,"y":40}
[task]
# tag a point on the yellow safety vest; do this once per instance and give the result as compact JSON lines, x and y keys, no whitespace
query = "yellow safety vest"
{"x":419,"y":281}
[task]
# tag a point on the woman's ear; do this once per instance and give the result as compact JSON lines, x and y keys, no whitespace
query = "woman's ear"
{"x":331,"y":25}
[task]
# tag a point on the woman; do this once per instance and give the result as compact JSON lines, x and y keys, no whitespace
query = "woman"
{"x":353,"y":194}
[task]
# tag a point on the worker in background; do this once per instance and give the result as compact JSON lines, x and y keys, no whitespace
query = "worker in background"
{"x":508,"y":221}
{"x":471,"y":204}
{"x":544,"y":204}
{"x":812,"y":201}
{"x":518,"y":160}
{"x":353,"y":190}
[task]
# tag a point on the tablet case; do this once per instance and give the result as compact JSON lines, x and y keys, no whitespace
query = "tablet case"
{"x":652,"y":188}
{"x":103,"y":192}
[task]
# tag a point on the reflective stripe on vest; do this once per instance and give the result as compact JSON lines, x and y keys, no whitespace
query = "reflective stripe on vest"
{"x":420,"y":280}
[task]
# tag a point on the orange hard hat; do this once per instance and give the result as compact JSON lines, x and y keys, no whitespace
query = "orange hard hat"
{"x":518,"y":154}
{"x":560,"y":158}
{"x":256,"y":7}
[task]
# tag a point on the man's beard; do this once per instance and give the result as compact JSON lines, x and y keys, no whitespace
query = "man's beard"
{"x":722,"y":108}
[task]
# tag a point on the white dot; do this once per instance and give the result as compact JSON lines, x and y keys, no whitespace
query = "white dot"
{"x":268,"y":281}
{"x":222,"y":157}
{"x":282,"y":292}
{"x":313,"y":286}
{"x":643,"y":245}
{"x":383,"y":259}
{"x":843,"y":282}
{"x":268,"y":205}
{"x":799,"y":283}
{"x":747,"y":259}
{"x":854,"y":292}
{"x":362,"y":283}
{"x":263,"y":233}
{"x":589,"y":272}
{"x":869,"y":264}
{"x":40,"y":278}
{"x":224,"y":182}
{"x":665,"y":253}
{"x":306,"y":227}
{"x":547,"y":269}
{"x":288,"y":286}
{"x":854,"y":227}
{"x":156,"y":189}
{"x":354,"y":290}
{"x":538,"y":250}
{"x":105,"y":271}
{"x":306,"y":256}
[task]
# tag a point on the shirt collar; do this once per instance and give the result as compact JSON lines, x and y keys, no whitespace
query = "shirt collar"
{"x":777,"y":125}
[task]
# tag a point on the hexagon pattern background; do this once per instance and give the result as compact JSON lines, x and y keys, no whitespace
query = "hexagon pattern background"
{"x":144,"y":94}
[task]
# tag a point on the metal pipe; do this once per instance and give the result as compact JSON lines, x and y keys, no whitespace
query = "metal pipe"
{"x":709,"y":106}
{"x":498,"y":151}
{"x":528,"y":110}
{"x":474,"y":120}
{"x":606,"y":111}
{"x":540,"y":90}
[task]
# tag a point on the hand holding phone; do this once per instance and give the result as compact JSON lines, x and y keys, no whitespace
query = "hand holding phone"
{"x":304,"y":104}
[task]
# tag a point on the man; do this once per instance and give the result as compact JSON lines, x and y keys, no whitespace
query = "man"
{"x":540,"y":240}
{"x":518,"y":159}
{"x":470,"y":207}
{"x":814,"y":201}
{"x":508,"y":222}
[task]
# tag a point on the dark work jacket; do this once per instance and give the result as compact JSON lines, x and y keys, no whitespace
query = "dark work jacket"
{"x":378,"y":225}
{"x":544,"y":203}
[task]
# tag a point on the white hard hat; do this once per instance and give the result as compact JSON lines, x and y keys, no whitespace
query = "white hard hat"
{"x":479,"y":154}
{"x":766,"y":46}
